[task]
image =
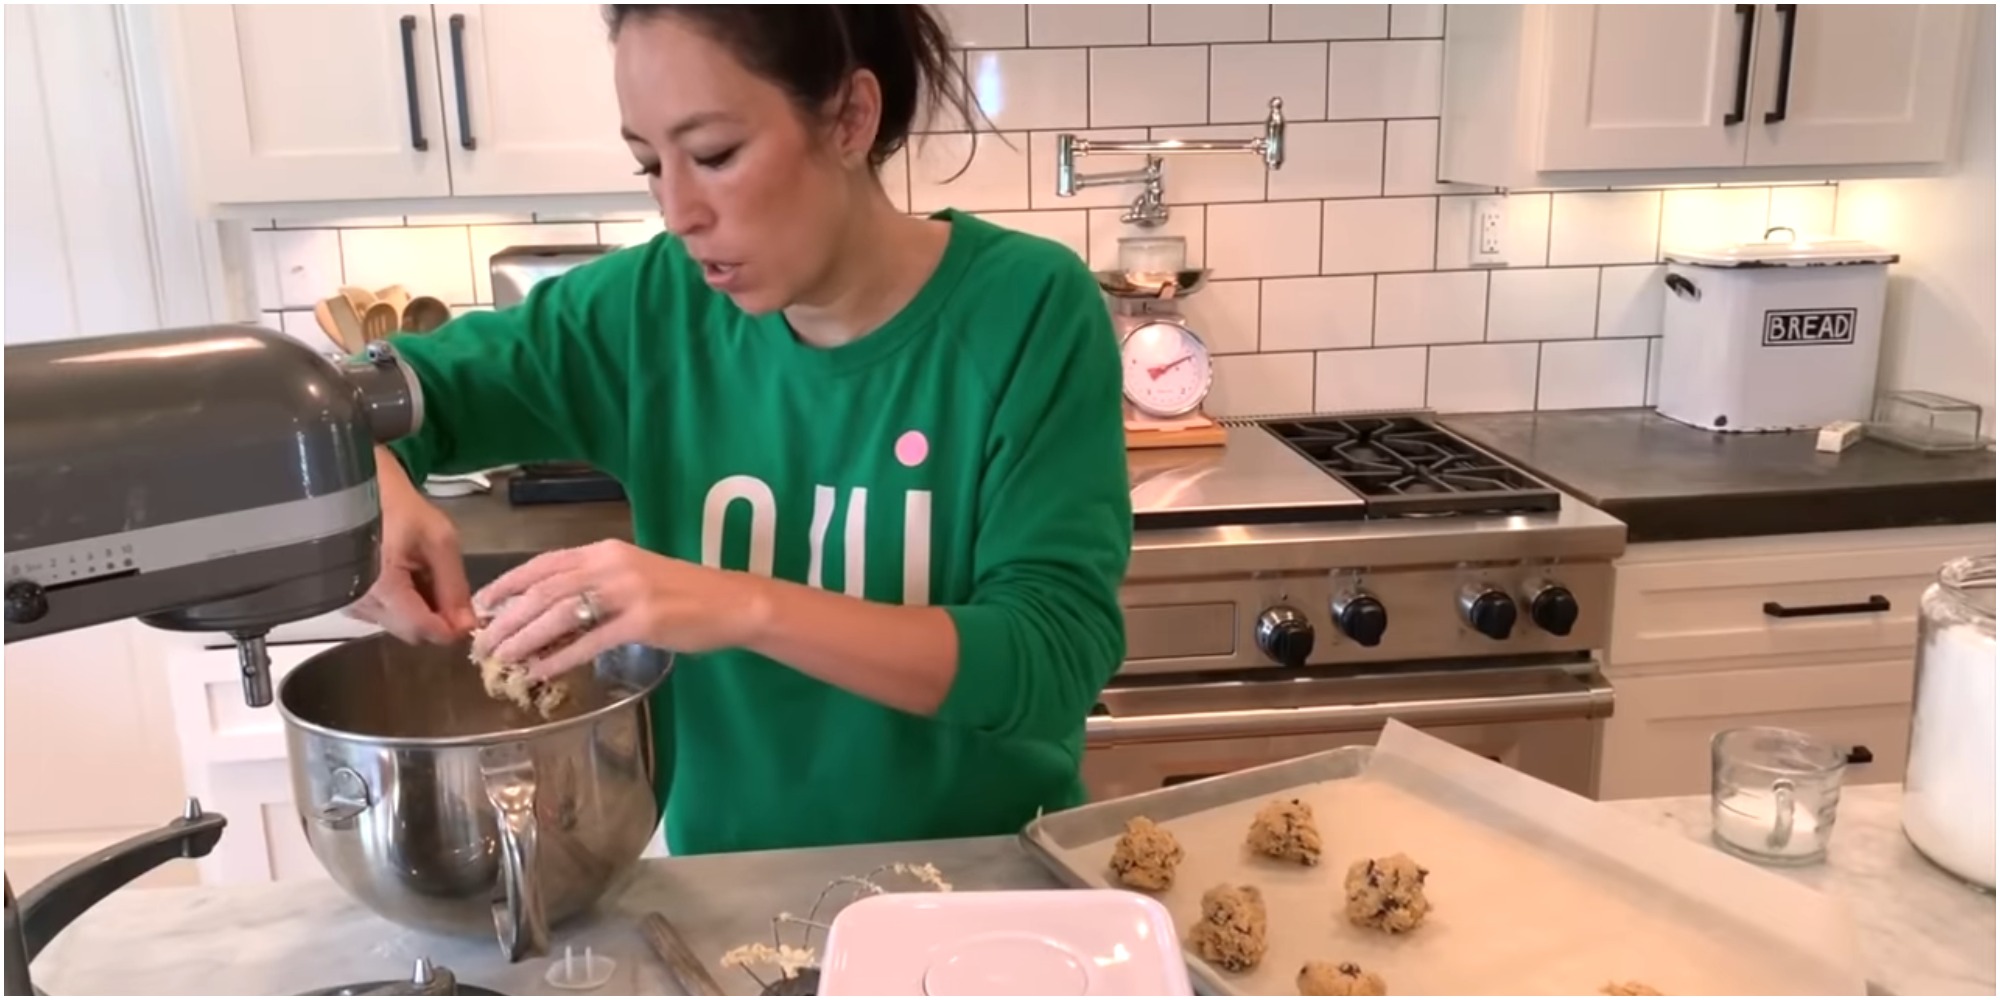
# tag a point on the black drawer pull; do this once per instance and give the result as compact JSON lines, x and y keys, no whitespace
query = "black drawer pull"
{"x":417,"y":140}
{"x":1788,"y":38}
{"x":1744,"y":46}
{"x":1875,"y":604}
{"x":465,"y":139}
{"x":1860,"y":755}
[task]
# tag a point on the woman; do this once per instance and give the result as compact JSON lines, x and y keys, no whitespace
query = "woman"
{"x":876,"y":463}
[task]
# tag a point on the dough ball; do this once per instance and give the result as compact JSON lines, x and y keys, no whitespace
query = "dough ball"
{"x":1632,"y":989}
{"x":1231,"y":934}
{"x":510,"y":682}
{"x":1387,"y":894}
{"x":1146,"y":855}
{"x":1326,"y":979}
{"x":1284,"y":829}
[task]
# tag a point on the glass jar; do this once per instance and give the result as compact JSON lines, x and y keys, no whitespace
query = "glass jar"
{"x":1948,"y":784}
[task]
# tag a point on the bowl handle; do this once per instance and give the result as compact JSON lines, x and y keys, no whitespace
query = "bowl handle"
{"x":519,"y":918}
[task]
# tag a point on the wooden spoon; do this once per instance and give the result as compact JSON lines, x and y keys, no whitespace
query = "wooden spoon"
{"x":378,"y":323}
{"x":425,"y":314}
{"x":348,"y":321}
{"x":395,"y":295}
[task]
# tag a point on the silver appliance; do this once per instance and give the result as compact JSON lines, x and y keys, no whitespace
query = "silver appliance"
{"x":1294,"y":590}
{"x":214,"y":479}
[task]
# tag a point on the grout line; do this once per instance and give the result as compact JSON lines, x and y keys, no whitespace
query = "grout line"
{"x":1597,"y":313}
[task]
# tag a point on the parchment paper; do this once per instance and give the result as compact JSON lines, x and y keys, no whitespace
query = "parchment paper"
{"x":1534,"y":890}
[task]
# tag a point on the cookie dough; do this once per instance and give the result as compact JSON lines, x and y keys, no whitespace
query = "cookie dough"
{"x":1326,"y":979}
{"x":1284,"y":829}
{"x":1633,"y":989}
{"x":1387,"y":894}
{"x":1146,"y":855}
{"x":1231,"y":934}
{"x":510,"y":682}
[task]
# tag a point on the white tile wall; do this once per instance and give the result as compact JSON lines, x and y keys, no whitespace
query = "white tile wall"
{"x":1343,"y":281}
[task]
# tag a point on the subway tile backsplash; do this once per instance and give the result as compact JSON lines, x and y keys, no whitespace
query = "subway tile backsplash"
{"x":1344,"y":281}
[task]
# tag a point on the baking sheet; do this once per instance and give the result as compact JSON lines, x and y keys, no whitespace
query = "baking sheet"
{"x":1534,"y":890}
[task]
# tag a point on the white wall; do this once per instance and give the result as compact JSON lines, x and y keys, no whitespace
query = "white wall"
{"x":1939,"y":329}
{"x":90,"y":755}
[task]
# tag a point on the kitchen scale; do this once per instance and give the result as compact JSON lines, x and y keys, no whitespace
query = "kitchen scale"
{"x":1168,"y":370}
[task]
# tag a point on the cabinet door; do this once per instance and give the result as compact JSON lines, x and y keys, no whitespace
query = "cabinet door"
{"x":1866,"y":83}
{"x":1656,"y":741}
{"x":304,"y":102}
{"x":1643,"y":86}
{"x":529,"y":103}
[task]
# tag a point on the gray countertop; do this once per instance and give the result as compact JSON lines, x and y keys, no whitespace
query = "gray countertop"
{"x":1921,"y":932}
{"x":496,"y":535}
{"x":1670,"y":482}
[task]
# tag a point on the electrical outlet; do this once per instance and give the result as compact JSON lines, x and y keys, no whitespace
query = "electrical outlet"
{"x":1489,"y":224}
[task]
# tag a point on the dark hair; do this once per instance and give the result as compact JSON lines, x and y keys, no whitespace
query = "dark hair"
{"x":812,"y":50}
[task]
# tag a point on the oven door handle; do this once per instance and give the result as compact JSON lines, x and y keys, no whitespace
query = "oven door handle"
{"x":1588,"y":700}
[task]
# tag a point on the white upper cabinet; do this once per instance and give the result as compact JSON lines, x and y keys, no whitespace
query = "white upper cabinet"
{"x":1560,"y":95}
{"x":1869,"y":83}
{"x":300,"y":102}
{"x":1645,"y":85}
{"x":530,"y":106}
{"x":325,"y":102}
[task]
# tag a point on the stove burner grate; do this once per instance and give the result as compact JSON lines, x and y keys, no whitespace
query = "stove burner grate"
{"x":1407,"y":467}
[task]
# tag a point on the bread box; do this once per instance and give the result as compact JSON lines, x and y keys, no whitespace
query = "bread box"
{"x":1774,"y":335}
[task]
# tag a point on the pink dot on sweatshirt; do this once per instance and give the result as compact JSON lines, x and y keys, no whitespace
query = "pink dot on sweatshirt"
{"x":912,"y":448}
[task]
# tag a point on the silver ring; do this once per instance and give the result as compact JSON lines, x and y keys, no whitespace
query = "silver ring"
{"x":587,"y":616}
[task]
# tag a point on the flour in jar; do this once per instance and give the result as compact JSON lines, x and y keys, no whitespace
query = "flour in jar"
{"x":1948,"y":794}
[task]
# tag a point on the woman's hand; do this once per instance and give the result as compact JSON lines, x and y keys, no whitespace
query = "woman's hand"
{"x":422,"y":594}
{"x":614,"y":593}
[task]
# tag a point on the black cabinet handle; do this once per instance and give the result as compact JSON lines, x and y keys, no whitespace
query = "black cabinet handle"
{"x":1875,"y":604}
{"x":465,"y":139}
{"x":1860,"y":755}
{"x":1748,"y":12}
{"x":417,"y":140}
{"x":1790,"y":13}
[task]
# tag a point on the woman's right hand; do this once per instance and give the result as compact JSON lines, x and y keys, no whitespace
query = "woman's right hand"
{"x":422,"y":594}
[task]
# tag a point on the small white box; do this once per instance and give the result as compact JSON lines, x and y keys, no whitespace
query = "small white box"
{"x":1772,"y":336}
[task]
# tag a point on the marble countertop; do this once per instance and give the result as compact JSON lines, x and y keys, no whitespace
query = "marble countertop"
{"x":1922,"y":932}
{"x":1671,"y":482}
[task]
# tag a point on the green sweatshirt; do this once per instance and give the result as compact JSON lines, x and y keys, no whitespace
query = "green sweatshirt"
{"x":969,"y":455}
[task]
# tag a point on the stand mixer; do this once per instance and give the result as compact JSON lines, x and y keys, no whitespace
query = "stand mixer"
{"x":205,"y":479}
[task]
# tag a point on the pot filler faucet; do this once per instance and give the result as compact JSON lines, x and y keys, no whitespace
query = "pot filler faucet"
{"x":206,"y":479}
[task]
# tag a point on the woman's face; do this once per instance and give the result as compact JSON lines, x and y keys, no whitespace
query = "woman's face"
{"x":756,"y":191}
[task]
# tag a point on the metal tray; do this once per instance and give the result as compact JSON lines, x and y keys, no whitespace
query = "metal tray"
{"x":1535,"y":889}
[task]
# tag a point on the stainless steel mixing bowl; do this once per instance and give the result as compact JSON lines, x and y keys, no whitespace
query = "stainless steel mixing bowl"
{"x":445,"y":810}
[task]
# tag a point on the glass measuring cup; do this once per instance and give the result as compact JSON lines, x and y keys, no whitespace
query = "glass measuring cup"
{"x":1773,"y":794}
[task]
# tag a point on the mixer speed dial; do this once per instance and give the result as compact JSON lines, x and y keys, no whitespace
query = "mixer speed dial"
{"x":1489,"y":611}
{"x":1285,"y":636}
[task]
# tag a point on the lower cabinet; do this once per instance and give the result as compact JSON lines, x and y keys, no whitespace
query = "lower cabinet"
{"x":1810,"y":632}
{"x":1656,"y":741}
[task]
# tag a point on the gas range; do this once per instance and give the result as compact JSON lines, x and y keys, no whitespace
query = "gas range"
{"x":1317,"y":576}
{"x":1340,"y":541}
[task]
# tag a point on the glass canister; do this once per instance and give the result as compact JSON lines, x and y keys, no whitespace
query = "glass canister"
{"x":1948,"y":784}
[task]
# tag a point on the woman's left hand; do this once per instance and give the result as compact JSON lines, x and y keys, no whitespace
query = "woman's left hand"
{"x":614,"y":593}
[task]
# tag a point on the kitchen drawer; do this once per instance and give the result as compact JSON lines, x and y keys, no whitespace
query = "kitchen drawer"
{"x":1656,"y":741}
{"x":1712,"y":600}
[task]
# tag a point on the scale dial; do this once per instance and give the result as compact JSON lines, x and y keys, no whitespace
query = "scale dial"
{"x":1168,"y":370}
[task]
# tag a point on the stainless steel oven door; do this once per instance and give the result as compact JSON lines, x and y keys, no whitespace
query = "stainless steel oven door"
{"x":1545,"y":721}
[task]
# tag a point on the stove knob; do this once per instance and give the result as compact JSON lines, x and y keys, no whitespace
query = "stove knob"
{"x":1489,"y":612}
{"x":1285,"y":636}
{"x":26,"y":602}
{"x":1361,"y":617}
{"x":1553,"y":609}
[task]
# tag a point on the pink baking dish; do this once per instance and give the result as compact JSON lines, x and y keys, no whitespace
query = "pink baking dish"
{"x":1082,"y":942}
